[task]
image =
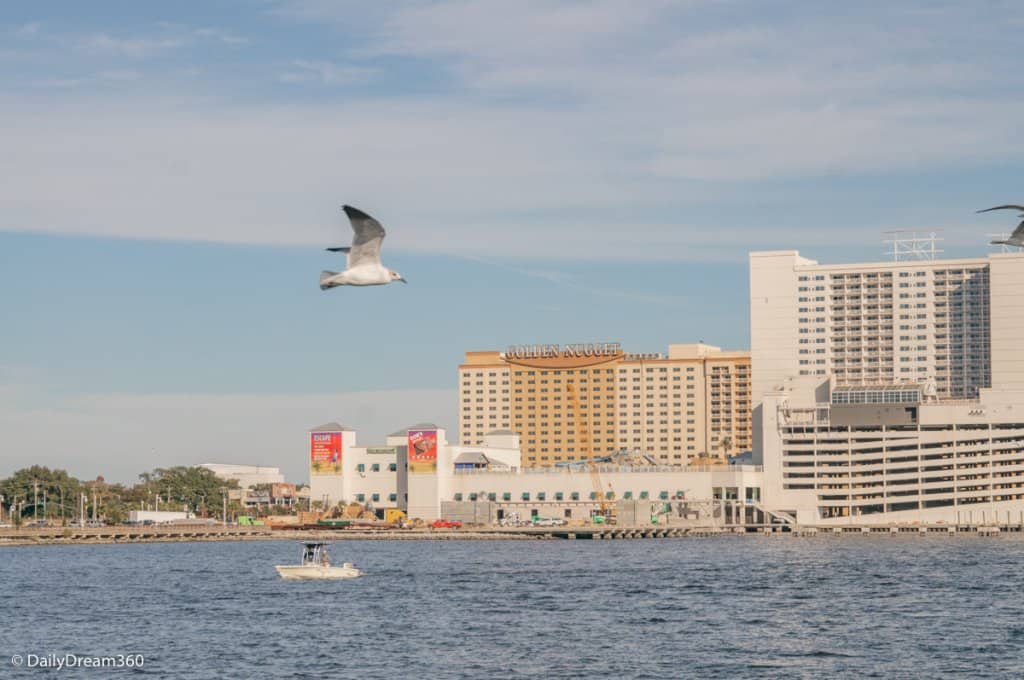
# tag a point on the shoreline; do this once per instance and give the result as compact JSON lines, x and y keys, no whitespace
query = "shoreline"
{"x":135,"y":535}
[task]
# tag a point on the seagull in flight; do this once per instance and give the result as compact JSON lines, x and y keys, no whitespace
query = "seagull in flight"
{"x":1017,"y":237}
{"x":364,"y":267}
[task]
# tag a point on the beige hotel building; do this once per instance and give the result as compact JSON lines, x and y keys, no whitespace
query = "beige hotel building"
{"x":690,"y":403}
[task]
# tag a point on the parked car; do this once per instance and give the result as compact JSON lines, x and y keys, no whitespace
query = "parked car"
{"x":548,"y":521}
{"x":445,"y":524}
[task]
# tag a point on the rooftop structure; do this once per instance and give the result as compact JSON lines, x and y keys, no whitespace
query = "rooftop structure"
{"x":246,"y":475}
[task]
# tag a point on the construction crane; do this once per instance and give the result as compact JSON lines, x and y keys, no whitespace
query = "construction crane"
{"x":583,"y":441}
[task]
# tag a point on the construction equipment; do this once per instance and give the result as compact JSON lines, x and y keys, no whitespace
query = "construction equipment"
{"x":607,"y":514}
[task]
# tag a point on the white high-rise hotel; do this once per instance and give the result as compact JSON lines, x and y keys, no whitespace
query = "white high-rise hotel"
{"x":891,"y":390}
{"x":951,"y":322}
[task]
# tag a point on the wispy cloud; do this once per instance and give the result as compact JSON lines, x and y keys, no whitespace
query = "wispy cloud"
{"x":100,"y":78}
{"x":29,"y":30}
{"x":220,"y":35}
{"x":129,"y":47}
{"x":580,"y":129}
{"x":166,"y":37}
{"x":327,"y":73}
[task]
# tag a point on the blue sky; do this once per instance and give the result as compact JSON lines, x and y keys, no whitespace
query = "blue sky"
{"x":547,"y":172}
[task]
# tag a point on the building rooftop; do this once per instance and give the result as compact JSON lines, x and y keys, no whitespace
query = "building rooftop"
{"x":332,"y":426}
{"x":418,"y":426}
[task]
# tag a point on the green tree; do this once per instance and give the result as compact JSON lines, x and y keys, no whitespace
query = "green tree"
{"x":194,"y":488}
{"x":115,"y":503}
{"x":27,"y":488}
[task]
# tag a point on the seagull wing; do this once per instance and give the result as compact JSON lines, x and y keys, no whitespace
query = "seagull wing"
{"x":1018,"y":233}
{"x":367,"y":239}
{"x":1004,"y":207}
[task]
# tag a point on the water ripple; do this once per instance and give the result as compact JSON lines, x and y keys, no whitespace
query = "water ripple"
{"x":753,"y":608}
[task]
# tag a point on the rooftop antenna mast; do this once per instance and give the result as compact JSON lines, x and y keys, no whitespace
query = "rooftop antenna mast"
{"x":909,"y":246}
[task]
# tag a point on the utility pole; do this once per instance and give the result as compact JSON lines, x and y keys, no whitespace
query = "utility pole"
{"x":35,"y":501}
{"x":224,"y":512}
{"x":94,"y":503}
{"x":81,"y":509}
{"x":45,"y":516}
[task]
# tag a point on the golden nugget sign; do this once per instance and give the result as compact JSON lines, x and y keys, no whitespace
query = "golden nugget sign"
{"x":579,"y":350}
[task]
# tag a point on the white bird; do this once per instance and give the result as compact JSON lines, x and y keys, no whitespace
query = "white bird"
{"x":1017,"y":237}
{"x":364,"y":267}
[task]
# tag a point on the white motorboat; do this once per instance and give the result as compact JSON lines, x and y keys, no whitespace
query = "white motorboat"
{"x":316,"y":564}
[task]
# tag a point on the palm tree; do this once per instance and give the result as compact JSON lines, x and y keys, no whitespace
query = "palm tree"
{"x":725,"y":445}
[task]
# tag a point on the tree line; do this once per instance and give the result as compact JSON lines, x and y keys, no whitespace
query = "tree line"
{"x":41,"y":493}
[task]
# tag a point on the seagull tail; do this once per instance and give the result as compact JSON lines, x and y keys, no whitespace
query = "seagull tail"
{"x":324,"y":276}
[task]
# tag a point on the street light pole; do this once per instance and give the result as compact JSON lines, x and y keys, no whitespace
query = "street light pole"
{"x":224,"y":511}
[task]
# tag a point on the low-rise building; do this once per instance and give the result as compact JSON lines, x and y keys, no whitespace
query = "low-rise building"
{"x":247,"y":476}
{"x":157,"y":516}
{"x":419,"y":472}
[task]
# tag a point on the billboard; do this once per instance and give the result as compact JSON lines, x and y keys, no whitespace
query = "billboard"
{"x":282,"y":490}
{"x":422,"y":451}
{"x":325,"y":453}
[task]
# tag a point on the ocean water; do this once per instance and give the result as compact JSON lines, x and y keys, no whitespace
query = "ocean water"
{"x":746,"y":607}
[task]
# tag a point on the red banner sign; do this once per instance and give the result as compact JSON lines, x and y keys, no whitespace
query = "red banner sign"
{"x":422,"y":450}
{"x":325,"y":453}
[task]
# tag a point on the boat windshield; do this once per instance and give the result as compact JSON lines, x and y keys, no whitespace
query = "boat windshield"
{"x":315,"y":554}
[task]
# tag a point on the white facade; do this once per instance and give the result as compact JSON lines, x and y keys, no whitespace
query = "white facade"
{"x":540,"y":486}
{"x":421,"y":494}
{"x":247,"y":476}
{"x":158,"y":516}
{"x":952,"y":462}
{"x":368,"y":476}
{"x":887,"y":322}
{"x":889,"y":392}
{"x":378,"y":476}
{"x":1007,"y":312}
